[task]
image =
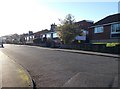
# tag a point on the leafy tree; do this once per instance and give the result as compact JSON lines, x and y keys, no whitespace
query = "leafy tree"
{"x":68,"y":29}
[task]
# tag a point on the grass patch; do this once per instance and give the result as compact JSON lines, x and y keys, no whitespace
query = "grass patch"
{"x":113,"y":44}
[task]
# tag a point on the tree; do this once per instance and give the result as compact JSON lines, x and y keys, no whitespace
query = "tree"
{"x":68,"y":29}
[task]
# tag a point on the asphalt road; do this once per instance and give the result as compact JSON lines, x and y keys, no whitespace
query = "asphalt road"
{"x":51,"y":68}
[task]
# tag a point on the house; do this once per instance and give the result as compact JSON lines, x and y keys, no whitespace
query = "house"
{"x":12,"y":38}
{"x":83,"y":26}
{"x":53,"y":27}
{"x":52,"y":32}
{"x":23,"y":38}
{"x":40,"y":34}
{"x":28,"y":37}
{"x":46,"y":33}
{"x":106,"y":29}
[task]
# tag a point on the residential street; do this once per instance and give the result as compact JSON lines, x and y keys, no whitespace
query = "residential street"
{"x":52,"y":68}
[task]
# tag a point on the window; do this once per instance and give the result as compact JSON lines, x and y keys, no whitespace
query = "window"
{"x":55,"y":35}
{"x":115,"y":28}
{"x":48,"y":35}
{"x":85,"y":32}
{"x":98,"y":29}
{"x":43,"y":36}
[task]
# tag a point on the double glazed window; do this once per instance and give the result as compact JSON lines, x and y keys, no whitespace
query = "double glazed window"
{"x":98,"y":29}
{"x":115,"y":28}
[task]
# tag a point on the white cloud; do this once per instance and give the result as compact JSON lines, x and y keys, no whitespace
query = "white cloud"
{"x":20,"y":16}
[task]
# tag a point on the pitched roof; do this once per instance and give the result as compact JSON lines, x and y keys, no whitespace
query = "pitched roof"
{"x":109,"y":19}
{"x":42,"y":32}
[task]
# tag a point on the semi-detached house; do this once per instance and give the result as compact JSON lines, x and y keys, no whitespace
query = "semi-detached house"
{"x":106,"y":29}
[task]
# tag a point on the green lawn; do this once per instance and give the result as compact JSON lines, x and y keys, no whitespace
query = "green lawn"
{"x":108,"y":44}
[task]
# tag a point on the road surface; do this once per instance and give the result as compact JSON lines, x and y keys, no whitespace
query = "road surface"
{"x":51,"y":68}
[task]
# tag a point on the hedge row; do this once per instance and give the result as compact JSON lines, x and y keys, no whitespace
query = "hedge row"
{"x":94,"y":47}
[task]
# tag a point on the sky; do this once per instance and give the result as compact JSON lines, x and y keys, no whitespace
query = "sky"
{"x":21,"y":16}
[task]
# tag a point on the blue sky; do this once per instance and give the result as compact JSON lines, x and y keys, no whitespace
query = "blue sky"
{"x":86,"y":10}
{"x":20,"y":16}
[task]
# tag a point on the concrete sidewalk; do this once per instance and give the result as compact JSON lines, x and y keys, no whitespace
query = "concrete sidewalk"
{"x":82,"y":52}
{"x":12,"y":74}
{"x":90,"y":53}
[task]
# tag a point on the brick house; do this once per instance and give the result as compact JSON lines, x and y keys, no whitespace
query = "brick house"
{"x":106,"y":29}
{"x":83,"y":26}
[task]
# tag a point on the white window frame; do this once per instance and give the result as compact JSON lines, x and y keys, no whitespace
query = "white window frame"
{"x":116,"y":27}
{"x":55,"y":35}
{"x":48,"y":35}
{"x":99,"y":29}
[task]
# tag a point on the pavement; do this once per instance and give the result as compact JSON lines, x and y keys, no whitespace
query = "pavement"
{"x":13,"y":75}
{"x":90,"y":53}
{"x":84,"y":52}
